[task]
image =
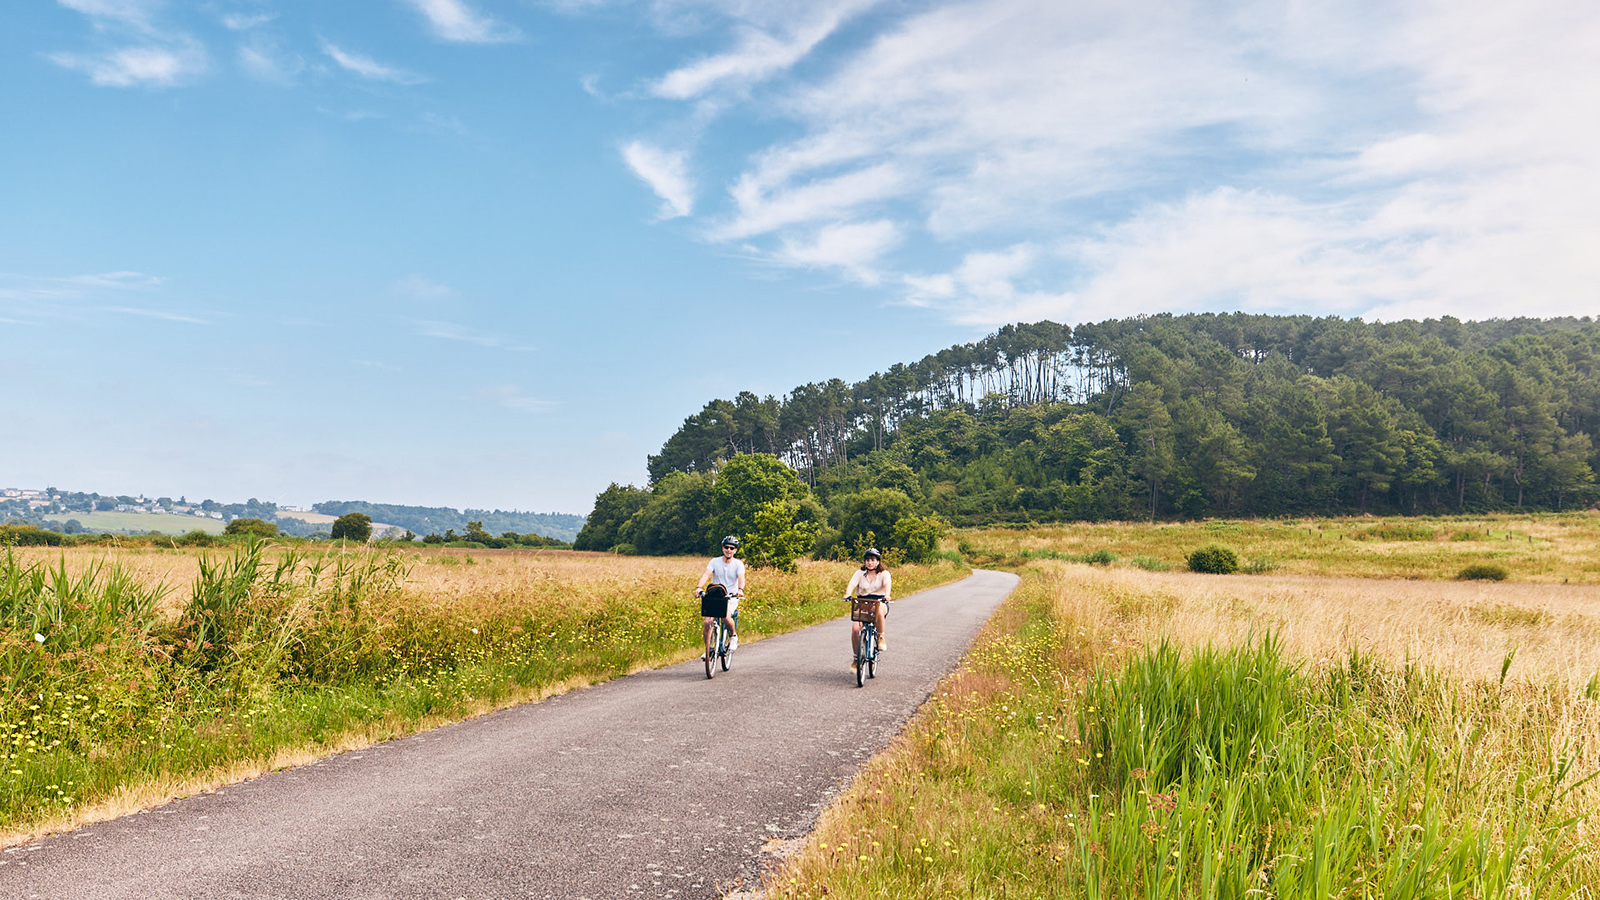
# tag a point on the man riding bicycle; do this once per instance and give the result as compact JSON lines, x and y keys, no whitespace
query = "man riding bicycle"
{"x":726,"y":573}
{"x":871,"y":581}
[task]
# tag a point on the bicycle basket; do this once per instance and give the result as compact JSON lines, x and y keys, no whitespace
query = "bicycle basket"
{"x":863,"y":610}
{"x":715,"y":602}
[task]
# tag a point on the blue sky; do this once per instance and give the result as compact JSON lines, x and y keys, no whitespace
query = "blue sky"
{"x":490,"y":253}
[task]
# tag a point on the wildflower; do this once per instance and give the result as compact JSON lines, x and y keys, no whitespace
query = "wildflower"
{"x":38,"y":637}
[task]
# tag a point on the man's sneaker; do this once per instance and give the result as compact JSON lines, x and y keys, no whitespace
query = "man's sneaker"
{"x":735,"y":645}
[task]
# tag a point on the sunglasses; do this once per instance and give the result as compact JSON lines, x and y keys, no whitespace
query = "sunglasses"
{"x":729,"y":547}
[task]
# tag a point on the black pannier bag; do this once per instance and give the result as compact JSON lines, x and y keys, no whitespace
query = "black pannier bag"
{"x":715,"y":602}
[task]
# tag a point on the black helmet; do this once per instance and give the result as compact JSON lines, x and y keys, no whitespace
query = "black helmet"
{"x":730,"y":541}
{"x":872,"y":553}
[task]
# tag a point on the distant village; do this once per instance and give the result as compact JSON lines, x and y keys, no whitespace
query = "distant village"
{"x":74,"y":512}
{"x":45,"y":503}
{"x":50,"y":506}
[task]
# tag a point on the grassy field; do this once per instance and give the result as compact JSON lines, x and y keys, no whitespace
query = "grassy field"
{"x":141,"y":523}
{"x":131,"y":676}
{"x":1121,"y":732}
{"x":1552,"y":548}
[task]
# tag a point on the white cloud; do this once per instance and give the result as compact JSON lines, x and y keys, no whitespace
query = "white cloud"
{"x":453,"y":20}
{"x":136,"y":13}
{"x":666,"y":173}
{"x":760,"y":54}
{"x":246,"y":21}
{"x":854,"y":247}
{"x":133,"y":66}
{"x":1105,"y":158}
{"x":368,"y":67}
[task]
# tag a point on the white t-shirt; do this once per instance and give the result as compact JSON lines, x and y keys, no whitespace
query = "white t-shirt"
{"x":727,"y":575}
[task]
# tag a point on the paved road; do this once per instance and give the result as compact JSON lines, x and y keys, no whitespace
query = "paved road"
{"x":632,"y":788}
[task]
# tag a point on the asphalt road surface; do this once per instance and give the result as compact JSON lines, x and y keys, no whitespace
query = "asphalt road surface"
{"x":660,"y":784}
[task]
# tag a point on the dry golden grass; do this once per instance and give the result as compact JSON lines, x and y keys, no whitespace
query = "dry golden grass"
{"x":468,"y":579}
{"x":1550,"y":548}
{"x":1464,"y":629}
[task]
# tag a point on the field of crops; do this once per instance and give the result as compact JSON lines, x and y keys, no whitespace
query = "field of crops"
{"x":1121,"y":731}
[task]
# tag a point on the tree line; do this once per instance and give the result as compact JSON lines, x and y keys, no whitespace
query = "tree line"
{"x":1185,"y":416}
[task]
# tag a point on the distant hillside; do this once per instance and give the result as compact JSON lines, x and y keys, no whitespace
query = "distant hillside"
{"x":425,"y":520}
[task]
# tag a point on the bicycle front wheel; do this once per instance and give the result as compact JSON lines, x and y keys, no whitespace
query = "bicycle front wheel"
{"x":871,"y":652}
{"x":726,"y":654}
{"x":861,"y":658}
{"x":711,"y":652}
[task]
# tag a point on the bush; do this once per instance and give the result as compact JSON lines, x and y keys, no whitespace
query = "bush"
{"x":258,"y":527}
{"x":1484,"y":572}
{"x":918,"y":536}
{"x":28,"y":536}
{"x":1101,"y":557}
{"x":198,"y":538}
{"x":1214,"y":560}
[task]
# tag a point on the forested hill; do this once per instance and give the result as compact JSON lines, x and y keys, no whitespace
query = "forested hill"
{"x":1196,"y":415}
{"x":438,"y":519}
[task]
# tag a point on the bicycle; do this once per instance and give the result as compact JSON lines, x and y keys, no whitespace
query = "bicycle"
{"x":864,"y":609}
{"x":718,"y":637}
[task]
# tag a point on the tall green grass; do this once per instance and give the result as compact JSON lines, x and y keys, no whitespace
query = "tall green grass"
{"x":1058,"y":763}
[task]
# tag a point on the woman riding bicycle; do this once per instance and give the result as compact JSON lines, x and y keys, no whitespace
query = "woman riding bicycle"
{"x":871,"y":580}
{"x":728,"y":573}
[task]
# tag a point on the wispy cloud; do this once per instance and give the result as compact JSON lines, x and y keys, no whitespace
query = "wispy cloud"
{"x":760,"y":53}
{"x":666,"y":173}
{"x":133,"y":66}
{"x":262,"y":59}
{"x":1086,"y":160}
{"x":454,"y":20}
{"x":151,"y":55}
{"x":421,"y":287}
{"x":369,"y":68}
{"x":135,"y":13}
{"x":37,"y":298}
{"x":162,"y":314}
{"x":854,"y":247}
{"x":511,"y":397}
{"x":450,"y":331}
{"x":246,"y":21}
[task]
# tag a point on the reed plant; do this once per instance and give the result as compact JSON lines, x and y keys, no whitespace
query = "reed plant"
{"x":1134,"y":734}
{"x":117,"y":690}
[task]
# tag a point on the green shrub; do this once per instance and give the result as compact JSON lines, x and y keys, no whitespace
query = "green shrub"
{"x":28,"y":536}
{"x":1100,"y":557}
{"x":1150,"y":564}
{"x":1484,"y":572}
{"x":1214,"y":560}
